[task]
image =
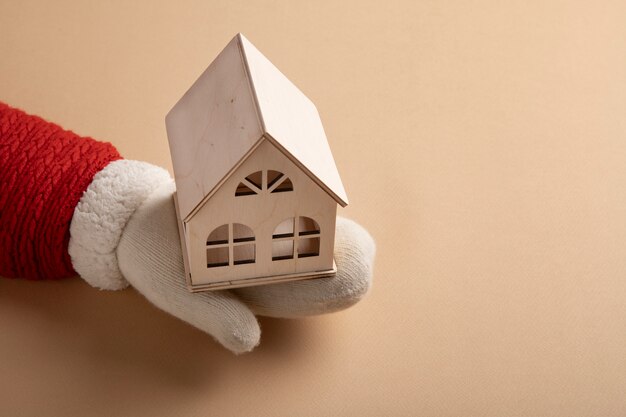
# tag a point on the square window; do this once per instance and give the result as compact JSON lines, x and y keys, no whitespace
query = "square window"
{"x":244,"y":254}
{"x":282,"y":249}
{"x":308,"y":247}
{"x":217,"y":257}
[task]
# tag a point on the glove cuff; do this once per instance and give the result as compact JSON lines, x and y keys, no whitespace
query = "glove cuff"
{"x":101,"y":215}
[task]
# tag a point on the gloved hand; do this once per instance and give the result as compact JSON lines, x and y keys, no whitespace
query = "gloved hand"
{"x":124,"y":230}
{"x":70,"y":204}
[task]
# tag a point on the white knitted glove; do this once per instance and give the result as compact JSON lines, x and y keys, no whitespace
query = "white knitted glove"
{"x":124,"y":230}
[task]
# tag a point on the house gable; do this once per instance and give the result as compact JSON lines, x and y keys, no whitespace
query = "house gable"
{"x":297,"y":163}
{"x":239,"y":101}
{"x":262,"y":213}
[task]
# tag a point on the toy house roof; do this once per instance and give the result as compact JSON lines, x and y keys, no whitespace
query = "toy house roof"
{"x":240,"y":100}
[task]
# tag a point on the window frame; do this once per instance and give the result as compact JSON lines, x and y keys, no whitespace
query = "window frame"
{"x":246,"y":187}
{"x":295,"y":237}
{"x":231,"y":243}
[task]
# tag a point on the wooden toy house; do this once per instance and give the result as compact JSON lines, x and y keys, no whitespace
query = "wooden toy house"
{"x":257,"y":186}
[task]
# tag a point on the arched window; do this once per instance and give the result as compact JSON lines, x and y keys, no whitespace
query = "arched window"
{"x":296,"y":237}
{"x":264,"y":181}
{"x":230,"y":244}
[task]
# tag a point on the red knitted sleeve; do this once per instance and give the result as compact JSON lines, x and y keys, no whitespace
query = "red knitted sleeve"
{"x":44,"y":171}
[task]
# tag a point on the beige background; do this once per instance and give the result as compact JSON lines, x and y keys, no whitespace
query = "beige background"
{"x":482,"y":143}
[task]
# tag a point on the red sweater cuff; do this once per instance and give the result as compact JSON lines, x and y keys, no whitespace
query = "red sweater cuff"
{"x":44,"y":171}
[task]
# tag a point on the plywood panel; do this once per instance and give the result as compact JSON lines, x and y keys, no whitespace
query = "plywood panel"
{"x":212,"y":127}
{"x":263,"y":212}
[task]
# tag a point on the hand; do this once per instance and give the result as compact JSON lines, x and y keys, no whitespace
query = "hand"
{"x":150,"y":258}
{"x":124,"y":230}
